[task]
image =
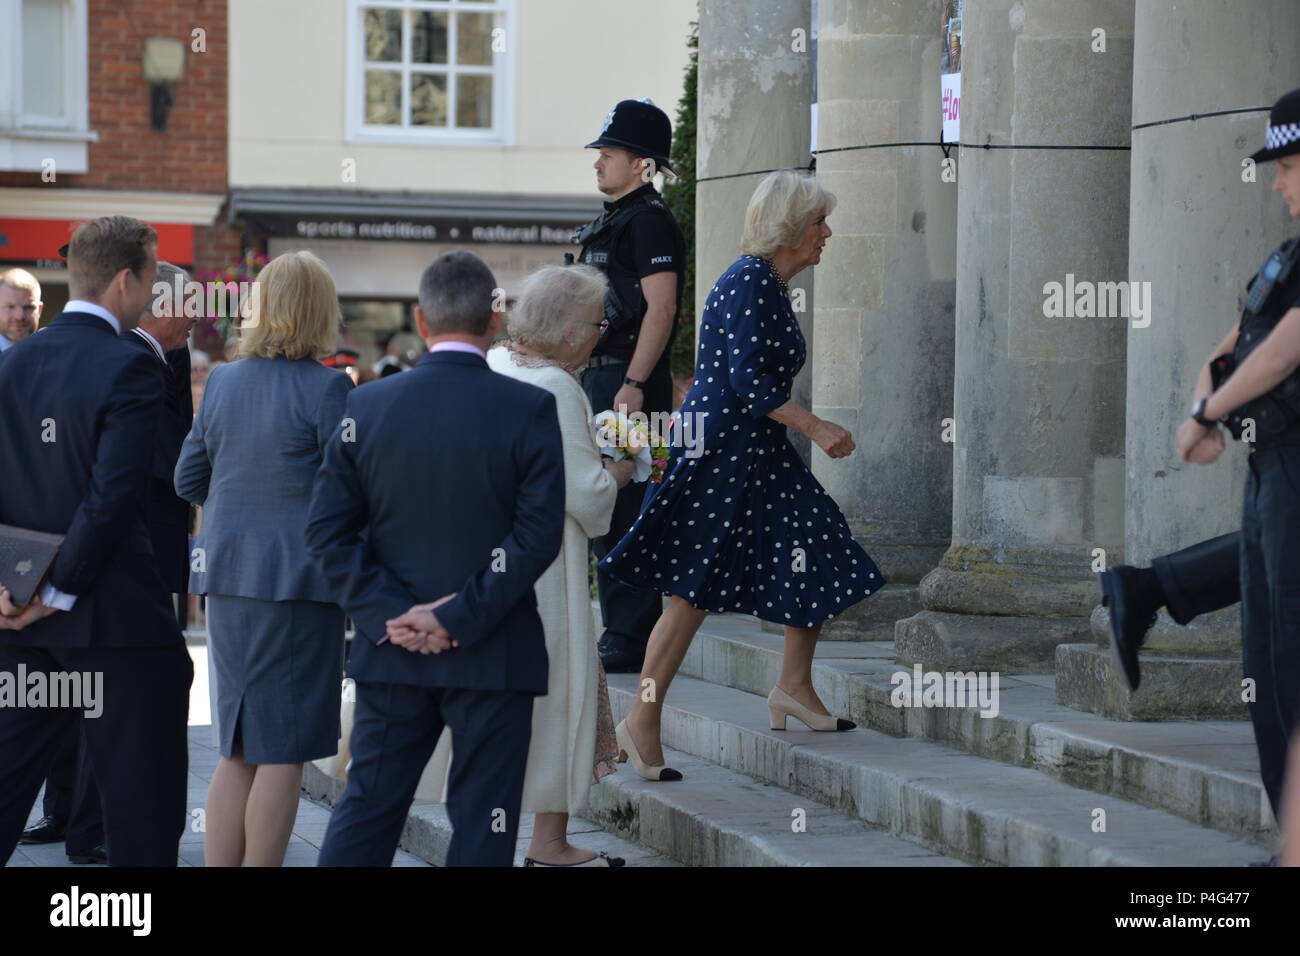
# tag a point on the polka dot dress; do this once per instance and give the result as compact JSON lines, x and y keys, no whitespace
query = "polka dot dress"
{"x":739,"y":523}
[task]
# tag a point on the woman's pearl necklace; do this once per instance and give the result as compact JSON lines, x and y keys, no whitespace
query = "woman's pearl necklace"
{"x":784,"y":288}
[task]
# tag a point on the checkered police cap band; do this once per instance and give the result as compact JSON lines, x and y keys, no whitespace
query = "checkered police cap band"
{"x":1279,"y":136}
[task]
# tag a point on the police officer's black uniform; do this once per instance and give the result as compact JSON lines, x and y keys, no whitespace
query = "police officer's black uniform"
{"x":636,"y":236}
{"x":1261,"y":564}
{"x":1270,"y":521}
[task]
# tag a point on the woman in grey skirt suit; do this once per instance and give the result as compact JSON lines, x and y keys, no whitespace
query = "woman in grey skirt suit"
{"x":275,"y":638}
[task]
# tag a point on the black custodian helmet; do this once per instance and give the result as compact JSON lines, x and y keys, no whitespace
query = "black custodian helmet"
{"x":639,"y":127}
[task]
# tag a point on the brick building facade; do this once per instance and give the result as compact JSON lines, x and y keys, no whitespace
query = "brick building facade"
{"x":94,"y":151}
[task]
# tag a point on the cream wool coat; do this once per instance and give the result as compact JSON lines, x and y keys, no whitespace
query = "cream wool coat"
{"x":561,"y":755}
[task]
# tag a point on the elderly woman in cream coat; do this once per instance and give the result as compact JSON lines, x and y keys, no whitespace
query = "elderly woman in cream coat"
{"x":553,"y":329}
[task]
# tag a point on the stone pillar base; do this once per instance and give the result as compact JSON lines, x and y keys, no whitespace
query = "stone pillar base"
{"x":1173,"y":688}
{"x":1010,"y":645}
{"x":1216,"y":635}
{"x":1029,"y":582}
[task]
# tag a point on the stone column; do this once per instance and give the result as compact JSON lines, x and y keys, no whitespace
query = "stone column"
{"x":884,"y":359}
{"x":755,"y":89}
{"x":1039,"y":401}
{"x":1199,"y":229}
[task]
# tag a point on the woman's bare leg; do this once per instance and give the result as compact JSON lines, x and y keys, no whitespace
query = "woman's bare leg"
{"x":272,"y":808}
{"x":796,"y":666}
{"x":223,"y":839}
{"x":669,"y":641}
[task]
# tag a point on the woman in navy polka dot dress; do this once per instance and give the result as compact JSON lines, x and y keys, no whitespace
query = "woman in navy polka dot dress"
{"x":739,"y":523}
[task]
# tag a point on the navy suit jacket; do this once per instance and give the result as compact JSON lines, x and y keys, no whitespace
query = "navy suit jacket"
{"x":166,"y":512}
{"x":446,"y":478}
{"x":78,"y":411}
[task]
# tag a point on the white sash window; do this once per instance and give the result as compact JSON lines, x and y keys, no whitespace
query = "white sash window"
{"x":430,"y":70}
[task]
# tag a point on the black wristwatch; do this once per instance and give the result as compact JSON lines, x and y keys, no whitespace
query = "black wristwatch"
{"x":1198,"y":414}
{"x":633,"y":382}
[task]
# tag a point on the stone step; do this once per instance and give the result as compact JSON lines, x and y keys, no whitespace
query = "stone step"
{"x":428,"y":830}
{"x":950,"y":801}
{"x":717,"y":817}
{"x":1206,"y":771}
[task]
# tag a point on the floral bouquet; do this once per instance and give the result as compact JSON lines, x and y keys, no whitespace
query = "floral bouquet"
{"x":240,"y":274}
{"x":623,"y":438}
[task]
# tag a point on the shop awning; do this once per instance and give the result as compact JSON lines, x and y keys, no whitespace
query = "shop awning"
{"x":409,"y":216}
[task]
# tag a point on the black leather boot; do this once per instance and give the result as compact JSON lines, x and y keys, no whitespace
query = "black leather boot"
{"x":1133,"y":596}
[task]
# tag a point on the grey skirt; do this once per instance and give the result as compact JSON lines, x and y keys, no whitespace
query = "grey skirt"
{"x":278,"y":668}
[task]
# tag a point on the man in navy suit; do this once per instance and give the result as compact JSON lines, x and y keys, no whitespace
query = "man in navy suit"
{"x":78,"y":411}
{"x":163,"y":333}
{"x":447,"y":482}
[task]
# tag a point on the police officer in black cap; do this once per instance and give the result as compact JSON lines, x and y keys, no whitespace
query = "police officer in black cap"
{"x":1251,"y":383}
{"x":637,"y":243}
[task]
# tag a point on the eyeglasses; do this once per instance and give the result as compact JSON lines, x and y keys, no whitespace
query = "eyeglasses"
{"x":603,"y":324}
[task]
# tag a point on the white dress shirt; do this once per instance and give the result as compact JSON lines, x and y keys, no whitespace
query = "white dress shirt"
{"x":94,"y":308}
{"x":50,"y":595}
{"x":153,"y":343}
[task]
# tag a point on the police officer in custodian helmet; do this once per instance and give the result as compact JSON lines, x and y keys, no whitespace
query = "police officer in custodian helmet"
{"x":637,"y":243}
{"x":1252,"y":385}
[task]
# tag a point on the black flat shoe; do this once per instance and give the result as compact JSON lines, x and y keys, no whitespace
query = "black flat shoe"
{"x":45,"y":830}
{"x":1271,"y":861}
{"x":600,"y":859}
{"x":94,"y":855}
{"x":1133,"y":608}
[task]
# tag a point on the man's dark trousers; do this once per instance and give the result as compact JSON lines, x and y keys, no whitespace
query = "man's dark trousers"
{"x":145,"y":705}
{"x":1203,"y":578}
{"x":628,"y":613}
{"x":396,"y":729}
{"x":1270,"y":607}
{"x":71,"y":796}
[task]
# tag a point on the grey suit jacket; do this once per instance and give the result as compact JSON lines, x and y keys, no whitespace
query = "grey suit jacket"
{"x":250,"y":460}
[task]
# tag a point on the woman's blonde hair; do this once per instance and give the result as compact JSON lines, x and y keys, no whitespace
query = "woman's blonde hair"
{"x":780,"y":209}
{"x":553,"y":299}
{"x":296,"y":310}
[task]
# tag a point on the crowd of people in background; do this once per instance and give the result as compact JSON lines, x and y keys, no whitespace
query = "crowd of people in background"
{"x":446,"y":501}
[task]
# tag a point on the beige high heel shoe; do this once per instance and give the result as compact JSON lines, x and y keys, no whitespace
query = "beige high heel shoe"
{"x":781,"y":705}
{"x":628,"y":749}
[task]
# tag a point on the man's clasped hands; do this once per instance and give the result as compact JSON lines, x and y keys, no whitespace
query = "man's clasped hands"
{"x":419,"y":631}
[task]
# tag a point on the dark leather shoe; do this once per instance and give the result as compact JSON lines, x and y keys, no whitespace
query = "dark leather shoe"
{"x":94,"y":855}
{"x":46,"y":830}
{"x":619,"y":655}
{"x":1133,"y":608}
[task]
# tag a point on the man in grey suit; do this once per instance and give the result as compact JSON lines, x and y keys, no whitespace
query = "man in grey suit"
{"x":447,"y":482}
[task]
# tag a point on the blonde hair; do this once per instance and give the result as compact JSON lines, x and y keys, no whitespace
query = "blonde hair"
{"x":552,"y":300}
{"x":297,"y":310}
{"x":779,"y":210}
{"x":23,"y":281}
